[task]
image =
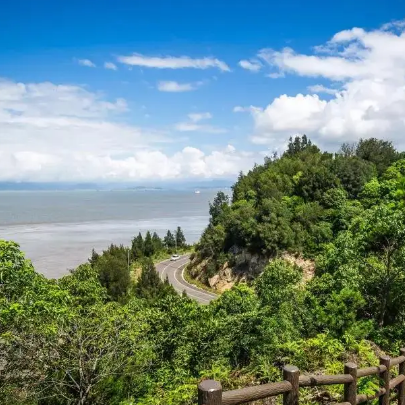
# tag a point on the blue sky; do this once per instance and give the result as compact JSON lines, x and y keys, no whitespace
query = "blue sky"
{"x":131,"y":90}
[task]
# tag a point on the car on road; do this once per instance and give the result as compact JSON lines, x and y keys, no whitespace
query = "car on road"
{"x":174,"y":258}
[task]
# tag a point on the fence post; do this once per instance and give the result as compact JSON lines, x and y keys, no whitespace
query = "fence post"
{"x":385,"y":376}
{"x":209,"y":393}
{"x":292,"y":375}
{"x":401,"y":387}
{"x":351,"y":388}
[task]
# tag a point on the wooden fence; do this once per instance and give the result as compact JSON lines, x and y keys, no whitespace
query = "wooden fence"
{"x":210,"y":391}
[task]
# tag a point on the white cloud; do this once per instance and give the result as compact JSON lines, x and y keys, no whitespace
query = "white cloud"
{"x":239,"y":108}
{"x":253,"y":65}
{"x":319,"y":88}
{"x":195,"y":117}
{"x":110,"y":65}
{"x":368,"y":68}
{"x":276,"y":75}
{"x":175,"y":87}
{"x":54,"y":132}
{"x":173,"y":62}
{"x":194,"y":124}
{"x":86,"y":62}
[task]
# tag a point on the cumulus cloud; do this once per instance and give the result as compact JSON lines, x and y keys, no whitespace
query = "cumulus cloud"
{"x":86,"y":62}
{"x":253,"y":65}
{"x":368,"y":68}
{"x":52,"y":132}
{"x":110,"y":65}
{"x":175,"y":87}
{"x":194,"y":124}
{"x":173,"y":62}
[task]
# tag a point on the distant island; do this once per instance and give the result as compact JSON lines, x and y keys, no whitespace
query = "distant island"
{"x":152,"y":186}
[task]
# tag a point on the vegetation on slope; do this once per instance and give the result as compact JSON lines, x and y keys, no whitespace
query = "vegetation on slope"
{"x":84,"y":339}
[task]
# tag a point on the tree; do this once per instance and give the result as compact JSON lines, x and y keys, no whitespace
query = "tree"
{"x":381,"y":153}
{"x":93,"y":258}
{"x":149,"y":248}
{"x":180,"y":238}
{"x":114,"y":275}
{"x":169,"y":241}
{"x":75,"y":363}
{"x":353,"y":173}
{"x":300,"y":144}
{"x":218,"y":207}
{"x":157,"y":243}
{"x":149,"y":285}
{"x":138,"y":248}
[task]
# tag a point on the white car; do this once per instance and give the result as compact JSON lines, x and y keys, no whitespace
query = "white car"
{"x":174,"y":258}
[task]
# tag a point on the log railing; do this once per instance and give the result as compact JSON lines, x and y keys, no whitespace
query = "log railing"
{"x":210,"y":391}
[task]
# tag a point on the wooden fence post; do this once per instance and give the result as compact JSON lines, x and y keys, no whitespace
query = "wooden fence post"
{"x":351,"y":388}
{"x":385,"y":376}
{"x":292,"y":375}
{"x":209,"y":393}
{"x":401,"y":387}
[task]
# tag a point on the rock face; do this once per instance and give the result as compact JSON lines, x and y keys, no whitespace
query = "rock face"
{"x":245,"y":267}
{"x":213,"y":281}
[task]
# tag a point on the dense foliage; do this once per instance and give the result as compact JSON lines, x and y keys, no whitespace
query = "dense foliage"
{"x":102,"y":336}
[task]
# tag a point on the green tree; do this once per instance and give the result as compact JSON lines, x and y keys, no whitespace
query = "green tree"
{"x":113,"y":273}
{"x":149,"y":247}
{"x":149,"y":285}
{"x":381,"y":153}
{"x":169,"y":241}
{"x":180,"y":238}
{"x":138,"y":248}
{"x":157,"y":242}
{"x":218,"y":207}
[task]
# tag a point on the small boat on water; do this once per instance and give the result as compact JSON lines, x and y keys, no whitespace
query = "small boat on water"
{"x":197,"y":191}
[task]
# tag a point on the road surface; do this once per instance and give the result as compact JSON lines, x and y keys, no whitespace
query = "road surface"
{"x":174,"y":271}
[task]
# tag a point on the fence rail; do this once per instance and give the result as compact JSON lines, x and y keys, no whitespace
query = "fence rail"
{"x":210,"y":391}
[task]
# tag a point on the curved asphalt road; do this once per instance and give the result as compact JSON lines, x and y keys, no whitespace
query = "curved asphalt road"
{"x":174,"y":271}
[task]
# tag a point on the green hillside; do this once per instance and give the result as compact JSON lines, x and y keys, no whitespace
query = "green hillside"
{"x":99,"y":336}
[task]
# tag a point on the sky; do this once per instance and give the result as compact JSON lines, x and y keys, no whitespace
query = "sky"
{"x":153,"y":90}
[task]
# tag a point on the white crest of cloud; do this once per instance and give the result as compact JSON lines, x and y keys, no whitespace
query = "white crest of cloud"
{"x":194,"y":124}
{"x":86,"y":62}
{"x":368,"y":68}
{"x":319,"y":88}
{"x":52,"y":132}
{"x":253,"y":65}
{"x":175,"y":87}
{"x":110,"y":65}
{"x":173,"y":62}
{"x":238,"y":109}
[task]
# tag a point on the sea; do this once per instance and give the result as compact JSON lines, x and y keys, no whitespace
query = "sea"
{"x":57,"y":230}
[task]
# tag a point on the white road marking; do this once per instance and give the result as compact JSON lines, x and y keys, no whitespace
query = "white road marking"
{"x":184,"y":289}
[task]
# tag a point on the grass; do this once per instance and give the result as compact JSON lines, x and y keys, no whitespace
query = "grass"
{"x":197,"y":283}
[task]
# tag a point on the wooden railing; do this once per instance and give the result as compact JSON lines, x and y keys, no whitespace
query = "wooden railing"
{"x":210,"y":391}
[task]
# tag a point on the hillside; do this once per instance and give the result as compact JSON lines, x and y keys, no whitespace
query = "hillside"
{"x":100,"y":336}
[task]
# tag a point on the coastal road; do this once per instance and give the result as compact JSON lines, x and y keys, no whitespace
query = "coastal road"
{"x":174,"y":270}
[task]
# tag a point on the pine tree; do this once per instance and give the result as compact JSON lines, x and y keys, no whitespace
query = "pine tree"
{"x":157,"y":242}
{"x":169,"y":241}
{"x":148,"y":245}
{"x":149,"y":286}
{"x":180,"y":238}
{"x":138,"y":247}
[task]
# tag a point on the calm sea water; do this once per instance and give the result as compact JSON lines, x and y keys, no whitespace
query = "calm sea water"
{"x":58,"y":229}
